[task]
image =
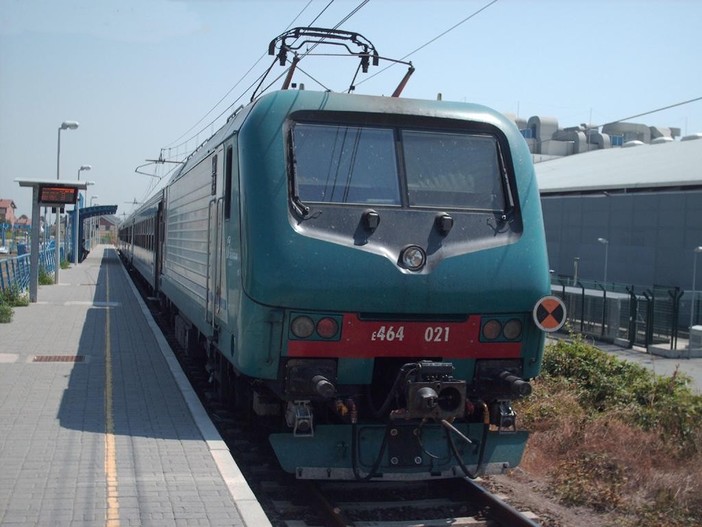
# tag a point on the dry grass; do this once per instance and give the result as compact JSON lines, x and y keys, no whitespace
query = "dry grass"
{"x":641,"y":464}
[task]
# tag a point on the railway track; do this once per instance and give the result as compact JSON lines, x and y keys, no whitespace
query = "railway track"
{"x":298,"y":503}
{"x":456,"y":503}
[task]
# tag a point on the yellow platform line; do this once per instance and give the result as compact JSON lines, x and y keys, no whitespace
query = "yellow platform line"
{"x":112,"y":512}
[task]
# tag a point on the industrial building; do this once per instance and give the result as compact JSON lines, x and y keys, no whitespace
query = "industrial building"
{"x":627,"y":209}
{"x":622,"y":208}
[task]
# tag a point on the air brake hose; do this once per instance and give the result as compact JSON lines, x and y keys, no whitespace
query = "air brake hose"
{"x":354,"y":454}
{"x":388,"y":400}
{"x":481,"y":452}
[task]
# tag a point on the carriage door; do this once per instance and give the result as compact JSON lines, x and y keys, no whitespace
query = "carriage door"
{"x":158,"y":245}
{"x":214,"y":242}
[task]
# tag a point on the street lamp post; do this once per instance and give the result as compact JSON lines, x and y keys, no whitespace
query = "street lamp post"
{"x":76,"y":241}
{"x":66,"y":125}
{"x":695,"y":252}
{"x":605,"y":242}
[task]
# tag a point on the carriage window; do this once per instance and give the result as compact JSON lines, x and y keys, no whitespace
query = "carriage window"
{"x":345,"y":164}
{"x":453,"y":170}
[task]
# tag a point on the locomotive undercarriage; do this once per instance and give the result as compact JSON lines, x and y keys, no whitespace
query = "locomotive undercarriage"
{"x":414,"y":420}
{"x":427,"y":425}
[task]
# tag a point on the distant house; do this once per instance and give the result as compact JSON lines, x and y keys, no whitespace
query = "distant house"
{"x":108,"y":229}
{"x":23,"y":221}
{"x":7,"y":211}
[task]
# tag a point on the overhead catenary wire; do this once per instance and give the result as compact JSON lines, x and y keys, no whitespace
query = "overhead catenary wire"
{"x":220,"y":115}
{"x":155,"y":181}
{"x":466,"y":19}
{"x":346,"y":18}
{"x":228,"y":108}
{"x":318,"y":15}
{"x":173,"y":143}
{"x":358,"y":8}
{"x":173,"y":146}
{"x":653,"y":111}
{"x":437,"y":37}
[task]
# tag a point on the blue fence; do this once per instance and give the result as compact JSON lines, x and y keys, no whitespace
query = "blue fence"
{"x":15,"y":271}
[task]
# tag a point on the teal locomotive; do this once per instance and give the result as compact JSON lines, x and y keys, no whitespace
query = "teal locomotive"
{"x":367,"y":275}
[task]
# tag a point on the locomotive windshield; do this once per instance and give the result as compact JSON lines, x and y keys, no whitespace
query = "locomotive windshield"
{"x":372,"y":165}
{"x":345,"y":164}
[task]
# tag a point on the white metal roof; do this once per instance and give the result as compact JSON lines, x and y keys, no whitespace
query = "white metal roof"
{"x":670,"y":164}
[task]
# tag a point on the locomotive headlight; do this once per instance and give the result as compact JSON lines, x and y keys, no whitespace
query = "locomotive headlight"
{"x":413,"y":258}
{"x":302,"y":327}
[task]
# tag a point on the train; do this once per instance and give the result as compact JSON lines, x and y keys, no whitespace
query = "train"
{"x":365,"y":275}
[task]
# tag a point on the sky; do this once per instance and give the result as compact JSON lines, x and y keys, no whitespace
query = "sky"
{"x":144,"y":77}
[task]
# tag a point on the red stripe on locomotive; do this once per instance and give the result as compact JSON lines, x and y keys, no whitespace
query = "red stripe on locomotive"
{"x":362,"y":339}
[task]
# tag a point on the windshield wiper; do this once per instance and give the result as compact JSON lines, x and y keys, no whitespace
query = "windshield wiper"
{"x":300,"y":208}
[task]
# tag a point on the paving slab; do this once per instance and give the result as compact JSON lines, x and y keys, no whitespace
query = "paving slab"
{"x":98,"y":424}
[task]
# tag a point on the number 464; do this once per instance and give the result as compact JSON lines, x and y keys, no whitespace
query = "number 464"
{"x":389,"y":334}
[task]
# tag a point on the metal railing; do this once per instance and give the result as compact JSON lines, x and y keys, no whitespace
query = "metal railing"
{"x":628,"y":314}
{"x":15,"y":271}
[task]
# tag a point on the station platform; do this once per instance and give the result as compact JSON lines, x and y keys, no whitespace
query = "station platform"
{"x":98,"y":424}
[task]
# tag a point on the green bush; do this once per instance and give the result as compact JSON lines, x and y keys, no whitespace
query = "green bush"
{"x":6,"y":313}
{"x":613,"y":436}
{"x":605,"y":383}
{"x":14,"y":297}
{"x":45,"y":278}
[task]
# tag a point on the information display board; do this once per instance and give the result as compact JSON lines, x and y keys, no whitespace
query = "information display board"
{"x":57,"y":195}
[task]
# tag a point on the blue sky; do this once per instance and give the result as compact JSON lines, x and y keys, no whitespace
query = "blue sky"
{"x":139,"y":75}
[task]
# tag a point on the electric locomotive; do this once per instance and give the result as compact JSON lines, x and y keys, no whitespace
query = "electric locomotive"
{"x":368,"y":274}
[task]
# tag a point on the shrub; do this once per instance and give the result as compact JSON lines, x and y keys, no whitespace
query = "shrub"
{"x":45,"y":278}
{"x":613,"y":436}
{"x":14,"y":297}
{"x":6,"y":313}
{"x":605,"y":383}
{"x":590,"y":479}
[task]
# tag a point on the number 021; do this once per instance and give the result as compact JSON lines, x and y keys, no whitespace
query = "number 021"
{"x":438,"y":334}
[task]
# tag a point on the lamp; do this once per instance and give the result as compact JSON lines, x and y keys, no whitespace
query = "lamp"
{"x":605,"y":242}
{"x":84,"y":167}
{"x":66,"y":125}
